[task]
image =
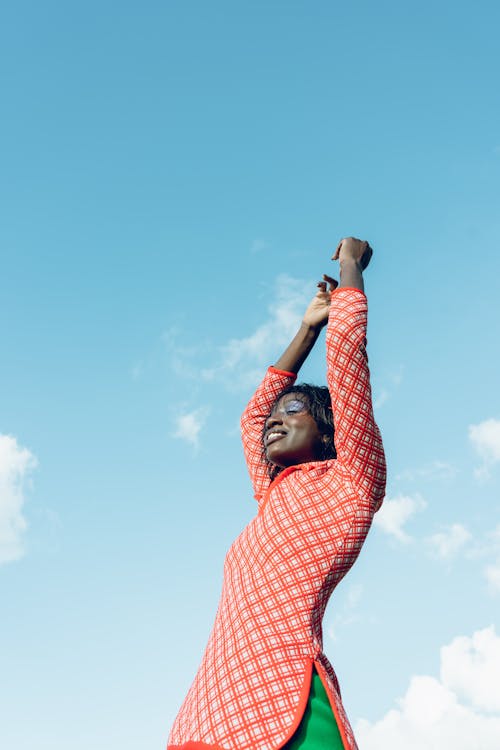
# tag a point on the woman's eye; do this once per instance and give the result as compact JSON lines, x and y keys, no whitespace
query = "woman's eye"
{"x":293,"y":407}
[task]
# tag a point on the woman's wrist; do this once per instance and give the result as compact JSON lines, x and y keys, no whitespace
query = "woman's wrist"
{"x":312,"y":330}
{"x":297,"y":352}
{"x":349,"y":262}
{"x":351,"y":273}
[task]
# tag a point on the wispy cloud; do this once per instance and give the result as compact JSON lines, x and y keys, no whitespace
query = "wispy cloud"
{"x":259,"y":246}
{"x":240,"y":361}
{"x":349,"y":612}
{"x":433,"y":471}
{"x":16,"y":463}
{"x":380,"y":399}
{"x":446,"y":544}
{"x":189,"y":425}
{"x":487,"y":549}
{"x":137,"y":371}
{"x":391,"y":381}
{"x":491,"y":571}
{"x":183,"y":358}
{"x":485,"y":437}
{"x":395,"y":514}
{"x":460,"y":710}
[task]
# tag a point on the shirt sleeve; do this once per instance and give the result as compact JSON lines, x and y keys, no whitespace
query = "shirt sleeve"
{"x":357,"y":438}
{"x":252,"y":425}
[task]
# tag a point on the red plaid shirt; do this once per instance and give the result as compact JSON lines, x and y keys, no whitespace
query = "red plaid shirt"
{"x":253,"y":683}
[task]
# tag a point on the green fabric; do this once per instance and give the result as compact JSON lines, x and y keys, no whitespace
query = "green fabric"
{"x":318,"y":729}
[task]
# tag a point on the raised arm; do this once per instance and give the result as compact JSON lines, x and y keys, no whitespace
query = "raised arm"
{"x":315,"y":318}
{"x":277,"y":378}
{"x":252,"y":426}
{"x":357,"y":437}
{"x":354,"y":256}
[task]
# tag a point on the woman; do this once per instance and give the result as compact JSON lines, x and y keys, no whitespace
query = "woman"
{"x":264,"y":682}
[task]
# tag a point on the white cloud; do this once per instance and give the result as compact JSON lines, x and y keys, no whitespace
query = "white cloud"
{"x":396,"y":512}
{"x":460,"y":710}
{"x":492,"y":575}
{"x":16,"y":463}
{"x":447,"y":543}
{"x":242,"y":361}
{"x":485,"y":438}
{"x":189,"y":425}
{"x":471,"y":668}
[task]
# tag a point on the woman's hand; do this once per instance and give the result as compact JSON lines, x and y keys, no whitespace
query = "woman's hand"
{"x":354,"y":256}
{"x":351,"y":248}
{"x":316,"y":315}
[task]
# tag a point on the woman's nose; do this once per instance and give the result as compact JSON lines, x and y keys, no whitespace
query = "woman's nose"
{"x":273,"y":420}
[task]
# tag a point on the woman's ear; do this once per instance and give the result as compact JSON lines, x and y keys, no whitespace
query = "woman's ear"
{"x":325,"y":445}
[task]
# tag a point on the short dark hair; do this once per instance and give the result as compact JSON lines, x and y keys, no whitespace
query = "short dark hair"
{"x":320,"y":409}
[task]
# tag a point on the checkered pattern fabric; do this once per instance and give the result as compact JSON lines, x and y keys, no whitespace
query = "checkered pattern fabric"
{"x":251,"y":688}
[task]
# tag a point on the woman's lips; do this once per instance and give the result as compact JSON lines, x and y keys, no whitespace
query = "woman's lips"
{"x":274,"y":435}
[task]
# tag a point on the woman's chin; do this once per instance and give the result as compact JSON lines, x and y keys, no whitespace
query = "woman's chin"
{"x":276,"y":457}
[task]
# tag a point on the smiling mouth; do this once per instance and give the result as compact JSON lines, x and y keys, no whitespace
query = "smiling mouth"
{"x":274,"y":435}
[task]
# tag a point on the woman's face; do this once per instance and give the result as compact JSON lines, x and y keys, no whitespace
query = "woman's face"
{"x":291,"y":434}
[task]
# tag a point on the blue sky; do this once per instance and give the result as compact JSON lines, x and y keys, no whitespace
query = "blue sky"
{"x":174,"y":179}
